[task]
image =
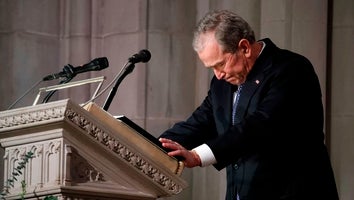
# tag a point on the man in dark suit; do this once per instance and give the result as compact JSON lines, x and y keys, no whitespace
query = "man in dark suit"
{"x":262,"y":118}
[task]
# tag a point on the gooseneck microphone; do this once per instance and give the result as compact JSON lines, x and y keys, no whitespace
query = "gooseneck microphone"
{"x":69,"y":71}
{"x":142,"y":56}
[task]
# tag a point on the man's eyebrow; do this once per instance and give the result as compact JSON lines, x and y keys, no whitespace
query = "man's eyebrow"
{"x":216,"y":64}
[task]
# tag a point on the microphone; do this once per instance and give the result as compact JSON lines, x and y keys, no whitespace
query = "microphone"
{"x":143,"y":56}
{"x":69,"y":71}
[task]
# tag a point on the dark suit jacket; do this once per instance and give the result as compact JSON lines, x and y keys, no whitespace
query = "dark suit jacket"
{"x":276,"y":149}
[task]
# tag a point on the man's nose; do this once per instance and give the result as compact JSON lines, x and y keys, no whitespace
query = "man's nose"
{"x":219,"y":74}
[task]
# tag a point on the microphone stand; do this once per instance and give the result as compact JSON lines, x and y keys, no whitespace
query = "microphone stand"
{"x":128,"y":68}
{"x":50,"y":94}
{"x":70,"y":74}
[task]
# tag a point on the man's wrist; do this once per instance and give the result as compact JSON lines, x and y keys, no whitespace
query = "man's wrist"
{"x":205,"y":154}
{"x":196,"y":158}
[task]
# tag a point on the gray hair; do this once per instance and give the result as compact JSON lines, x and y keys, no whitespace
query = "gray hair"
{"x":229,"y":29}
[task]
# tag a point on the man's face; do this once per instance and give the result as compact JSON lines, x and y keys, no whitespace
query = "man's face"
{"x":231,"y":67}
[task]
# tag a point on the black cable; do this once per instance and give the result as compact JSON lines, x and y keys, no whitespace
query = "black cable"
{"x":70,"y":74}
{"x":50,"y":94}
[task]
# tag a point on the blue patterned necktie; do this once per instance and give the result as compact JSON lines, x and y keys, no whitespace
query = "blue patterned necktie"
{"x":234,"y":107}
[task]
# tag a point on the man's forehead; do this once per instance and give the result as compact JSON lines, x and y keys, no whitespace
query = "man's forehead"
{"x":211,"y":53}
{"x":207,"y":39}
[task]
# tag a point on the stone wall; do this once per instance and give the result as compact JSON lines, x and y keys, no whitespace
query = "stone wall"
{"x":39,"y":37}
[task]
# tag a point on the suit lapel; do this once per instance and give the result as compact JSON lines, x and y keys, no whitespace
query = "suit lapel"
{"x":227,"y":112}
{"x":248,"y":90}
{"x":255,"y":79}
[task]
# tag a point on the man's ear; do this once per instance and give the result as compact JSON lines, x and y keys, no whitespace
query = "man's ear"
{"x":245,"y":47}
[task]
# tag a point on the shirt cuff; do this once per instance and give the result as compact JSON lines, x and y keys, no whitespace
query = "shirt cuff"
{"x":206,"y":155}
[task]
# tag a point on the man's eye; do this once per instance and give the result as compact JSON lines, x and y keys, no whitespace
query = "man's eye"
{"x":220,"y":65}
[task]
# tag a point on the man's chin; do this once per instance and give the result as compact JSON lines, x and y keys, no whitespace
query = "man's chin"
{"x":234,"y":81}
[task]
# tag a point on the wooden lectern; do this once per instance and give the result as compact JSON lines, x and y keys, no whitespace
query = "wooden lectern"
{"x":83,"y":153}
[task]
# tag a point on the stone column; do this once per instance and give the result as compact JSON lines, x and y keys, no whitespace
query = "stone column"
{"x":171,"y":73}
{"x":300,"y":26}
{"x":341,"y":114}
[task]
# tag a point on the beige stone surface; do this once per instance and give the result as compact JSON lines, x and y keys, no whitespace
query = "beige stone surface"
{"x":39,"y":37}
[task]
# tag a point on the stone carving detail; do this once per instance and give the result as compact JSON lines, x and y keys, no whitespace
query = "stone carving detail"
{"x":54,"y":147}
{"x":81,"y":171}
{"x":34,"y":173}
{"x":31,"y":117}
{"x":122,"y":151}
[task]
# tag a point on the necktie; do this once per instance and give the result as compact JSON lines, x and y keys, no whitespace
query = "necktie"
{"x":234,"y":107}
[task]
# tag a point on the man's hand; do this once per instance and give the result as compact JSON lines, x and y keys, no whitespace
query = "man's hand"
{"x":191,"y":158}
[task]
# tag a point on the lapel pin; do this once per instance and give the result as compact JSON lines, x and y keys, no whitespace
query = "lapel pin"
{"x":257,"y":82}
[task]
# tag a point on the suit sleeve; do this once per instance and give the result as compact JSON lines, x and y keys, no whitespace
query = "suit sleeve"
{"x":197,"y":129}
